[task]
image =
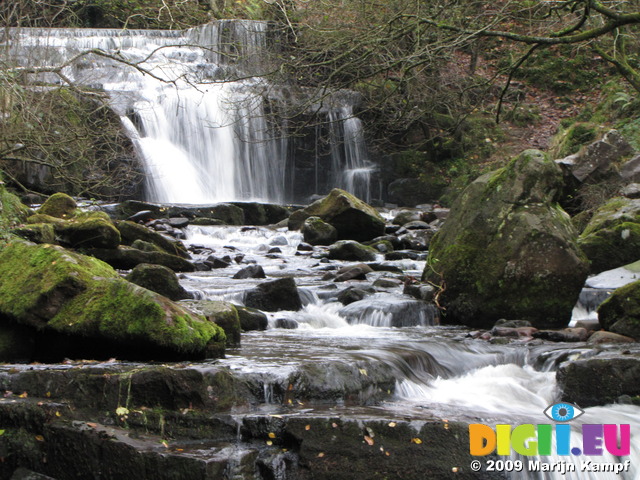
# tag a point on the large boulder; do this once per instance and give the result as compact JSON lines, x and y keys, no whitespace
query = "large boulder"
{"x":59,"y":205}
{"x":83,"y":307}
{"x":612,"y":237}
{"x":131,"y":232}
{"x":223,"y":314}
{"x":352,"y":218}
{"x":620,"y":313}
{"x":126,"y":258}
{"x":351,"y":250}
{"x":508,"y":250}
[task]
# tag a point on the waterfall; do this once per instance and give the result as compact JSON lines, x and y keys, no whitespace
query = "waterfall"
{"x":201,"y":116}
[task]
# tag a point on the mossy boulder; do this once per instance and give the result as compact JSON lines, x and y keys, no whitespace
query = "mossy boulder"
{"x":223,"y":314}
{"x":508,"y":250}
{"x":88,"y":230}
{"x":620,"y":313}
{"x":36,"y":233}
{"x":59,"y":205}
{"x":611,"y":239}
{"x":352,"y":218}
{"x":159,"y":279}
{"x":12,"y":212}
{"x":318,"y":232}
{"x":58,"y":292}
{"x":126,"y":258}
{"x":352,"y":251}
{"x":130,"y":232}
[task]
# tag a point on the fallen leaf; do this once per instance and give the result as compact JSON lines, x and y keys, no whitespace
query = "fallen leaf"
{"x":58,"y":414}
{"x":320,"y":455}
{"x":272,"y":435}
{"x":23,"y":395}
{"x":307,"y":427}
{"x":92,"y":425}
{"x":39,"y":438}
{"x":392,"y":424}
{"x":362,"y":371}
{"x":334,"y":425}
{"x":417,"y":441}
{"x":455,"y":469}
{"x":369,"y":440}
{"x":269,"y":442}
{"x":1,"y":432}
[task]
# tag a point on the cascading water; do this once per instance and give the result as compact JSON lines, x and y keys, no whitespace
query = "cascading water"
{"x":197,"y":109}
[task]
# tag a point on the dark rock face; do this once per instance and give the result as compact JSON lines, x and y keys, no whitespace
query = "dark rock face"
{"x":251,"y":319}
{"x":620,"y":313}
{"x":273,"y":296}
{"x":599,"y":380}
{"x":126,"y":258}
{"x":508,"y":250}
{"x":252,"y":271}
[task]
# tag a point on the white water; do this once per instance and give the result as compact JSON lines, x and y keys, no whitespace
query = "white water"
{"x":439,"y":371}
{"x":197,"y":109}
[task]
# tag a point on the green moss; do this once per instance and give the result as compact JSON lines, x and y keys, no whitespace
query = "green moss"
{"x":59,"y":205}
{"x":612,"y":247}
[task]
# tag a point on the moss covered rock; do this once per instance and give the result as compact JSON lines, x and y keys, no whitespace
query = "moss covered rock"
{"x":611,"y":239}
{"x":620,"y":313}
{"x":12,"y":212}
{"x":351,"y":250}
{"x":37,"y":233}
{"x":223,"y":314}
{"x":54,"y":290}
{"x":88,"y":230}
{"x":508,"y":250}
{"x":159,"y":279}
{"x":352,"y":218}
{"x":126,"y":258}
{"x":251,"y":319}
{"x":130,"y":232}
{"x":59,"y":205}
{"x":318,"y":232}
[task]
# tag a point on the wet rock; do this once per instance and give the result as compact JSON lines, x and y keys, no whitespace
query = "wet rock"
{"x":612,"y":237}
{"x":206,"y":221}
{"x":318,"y":232}
{"x":130,"y":232}
{"x":351,"y":250}
{"x":512,"y":323}
{"x":382,"y":246}
{"x":385,"y":267}
{"x":387,"y":283}
{"x":351,"y":294}
{"x":275,"y":295}
{"x":262,"y":213}
{"x":158,"y":279}
{"x":352,"y":218}
{"x":417,"y":240}
{"x":566,"y":335}
{"x":252,"y":271}
{"x":410,"y":192}
{"x":420,"y":291}
{"x":383,"y":310}
{"x":508,"y":249}
{"x":216,"y":262}
{"x":403,"y":255}
{"x":305,"y":247}
{"x":286,"y":323}
{"x":599,"y":380}
{"x":126,"y":258}
{"x":631,"y":191}
{"x":78,"y":297}
{"x":630,"y":170}
{"x":601,"y":337}
{"x":514,"y":332}
{"x":223,"y":314}
{"x":178,"y":222}
{"x":353,"y":272}
{"x":406,"y":216}
{"x":251,"y":319}
{"x":142,"y":216}
{"x":620,"y":313}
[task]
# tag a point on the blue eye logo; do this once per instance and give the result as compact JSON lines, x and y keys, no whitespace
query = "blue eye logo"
{"x":563,"y":412}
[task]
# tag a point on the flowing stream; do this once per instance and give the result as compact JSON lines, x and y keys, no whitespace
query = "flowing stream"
{"x":439,"y":370}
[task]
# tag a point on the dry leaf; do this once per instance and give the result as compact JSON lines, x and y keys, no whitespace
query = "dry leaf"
{"x":320,"y":455}
{"x":307,"y":427}
{"x":269,"y":442}
{"x":417,"y":441}
{"x":392,"y":424}
{"x":23,"y":395}
{"x":40,"y":438}
{"x":272,"y":435}
{"x":92,"y":425}
{"x":369,"y":440}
